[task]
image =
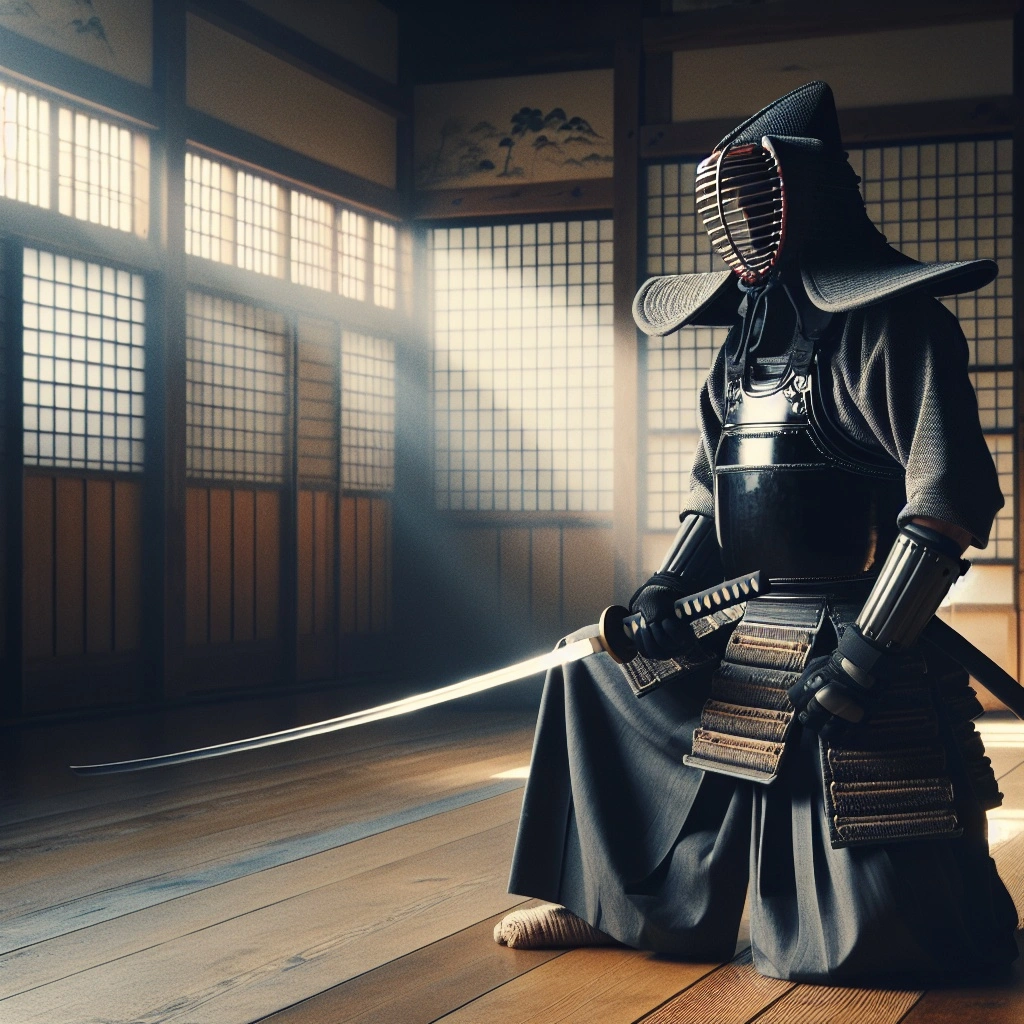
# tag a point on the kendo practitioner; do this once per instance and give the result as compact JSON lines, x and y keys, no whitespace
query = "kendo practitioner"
{"x":831,"y":762}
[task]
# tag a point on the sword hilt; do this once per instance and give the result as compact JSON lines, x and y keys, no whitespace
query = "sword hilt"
{"x":617,"y":626}
{"x":732,"y":592}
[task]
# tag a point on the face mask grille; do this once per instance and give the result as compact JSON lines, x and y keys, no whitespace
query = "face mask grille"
{"x":739,"y":197}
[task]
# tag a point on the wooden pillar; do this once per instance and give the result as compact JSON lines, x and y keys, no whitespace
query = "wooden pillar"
{"x":1018,"y":321}
{"x":418,"y":578}
{"x":11,"y":660}
{"x":626,"y":456}
{"x":289,"y":555}
{"x":164,"y":501}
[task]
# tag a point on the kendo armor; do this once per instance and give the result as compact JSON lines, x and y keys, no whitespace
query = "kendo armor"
{"x":797,"y":497}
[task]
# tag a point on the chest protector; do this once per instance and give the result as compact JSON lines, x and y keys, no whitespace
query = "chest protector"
{"x":794,"y":496}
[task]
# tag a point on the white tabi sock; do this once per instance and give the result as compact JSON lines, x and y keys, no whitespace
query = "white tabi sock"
{"x":547,"y":927}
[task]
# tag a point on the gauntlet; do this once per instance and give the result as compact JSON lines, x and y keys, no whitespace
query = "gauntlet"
{"x":692,"y":563}
{"x":839,"y":691}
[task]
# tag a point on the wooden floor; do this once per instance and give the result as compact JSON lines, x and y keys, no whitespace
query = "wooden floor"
{"x":351,"y":878}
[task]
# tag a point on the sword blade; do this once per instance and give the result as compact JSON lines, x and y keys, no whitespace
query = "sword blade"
{"x":475,"y":684}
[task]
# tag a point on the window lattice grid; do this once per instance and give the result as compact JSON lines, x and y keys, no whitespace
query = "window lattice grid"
{"x":676,"y":240}
{"x":24,"y":147}
{"x":235,"y":390}
{"x":352,"y":255}
{"x":951,"y":201}
{"x":96,"y":170}
{"x":1000,"y":545}
{"x":367,"y":413}
{"x":209,"y":209}
{"x":523,"y":344}
{"x":259,"y":224}
{"x":312,"y":241}
{"x":385,"y":263}
{"x":994,"y":389}
{"x":954,"y":201}
{"x":83,"y":365}
{"x":677,"y":366}
{"x":352,"y":241}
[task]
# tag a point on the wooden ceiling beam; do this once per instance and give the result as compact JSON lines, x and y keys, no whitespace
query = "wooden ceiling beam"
{"x":277,"y":38}
{"x":903,"y":122}
{"x":783,"y":20}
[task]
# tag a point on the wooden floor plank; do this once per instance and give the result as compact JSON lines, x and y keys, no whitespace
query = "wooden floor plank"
{"x":1001,"y":1003}
{"x":733,"y":994}
{"x":1009,"y":858}
{"x":1011,"y":785}
{"x":275,"y":786}
{"x":34,"y":808}
{"x":424,"y":985}
{"x":248,"y":967}
{"x":71,"y":954}
{"x":585,"y":986}
{"x":817,"y":1004}
{"x":201,"y":834}
{"x":126,"y":899}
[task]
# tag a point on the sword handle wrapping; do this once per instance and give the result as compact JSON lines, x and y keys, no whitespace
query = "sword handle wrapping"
{"x":617,"y":626}
{"x":725,"y":595}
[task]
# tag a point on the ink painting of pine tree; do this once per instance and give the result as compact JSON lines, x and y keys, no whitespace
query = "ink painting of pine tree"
{"x":533,"y":142}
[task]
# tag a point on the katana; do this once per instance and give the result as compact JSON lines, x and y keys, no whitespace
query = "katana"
{"x":615,"y":632}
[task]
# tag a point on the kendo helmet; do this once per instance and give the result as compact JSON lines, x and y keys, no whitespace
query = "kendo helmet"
{"x":778,"y":194}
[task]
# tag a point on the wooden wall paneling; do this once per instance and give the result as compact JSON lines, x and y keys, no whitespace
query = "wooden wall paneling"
{"x":479,"y":547}
{"x":514,"y":573}
{"x":268,"y":564}
{"x":99,"y":566}
{"x":37,"y":590}
{"x":546,"y":583}
{"x":128,"y":533}
{"x":304,"y":600}
{"x":244,"y":565}
{"x":363,"y":563}
{"x":69,"y":566}
{"x":347,"y":565}
{"x":588,"y":574}
{"x":389,"y":574}
{"x":220,"y":565}
{"x":380,"y":544}
{"x":323,"y":562}
{"x":197,"y":565}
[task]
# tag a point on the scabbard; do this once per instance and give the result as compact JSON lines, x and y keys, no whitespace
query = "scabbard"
{"x":996,"y":680}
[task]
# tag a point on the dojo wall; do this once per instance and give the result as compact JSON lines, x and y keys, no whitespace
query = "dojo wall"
{"x":181,"y":579}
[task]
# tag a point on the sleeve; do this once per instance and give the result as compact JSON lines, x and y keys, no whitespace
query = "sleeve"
{"x":701,"y":498}
{"x":902,"y":372}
